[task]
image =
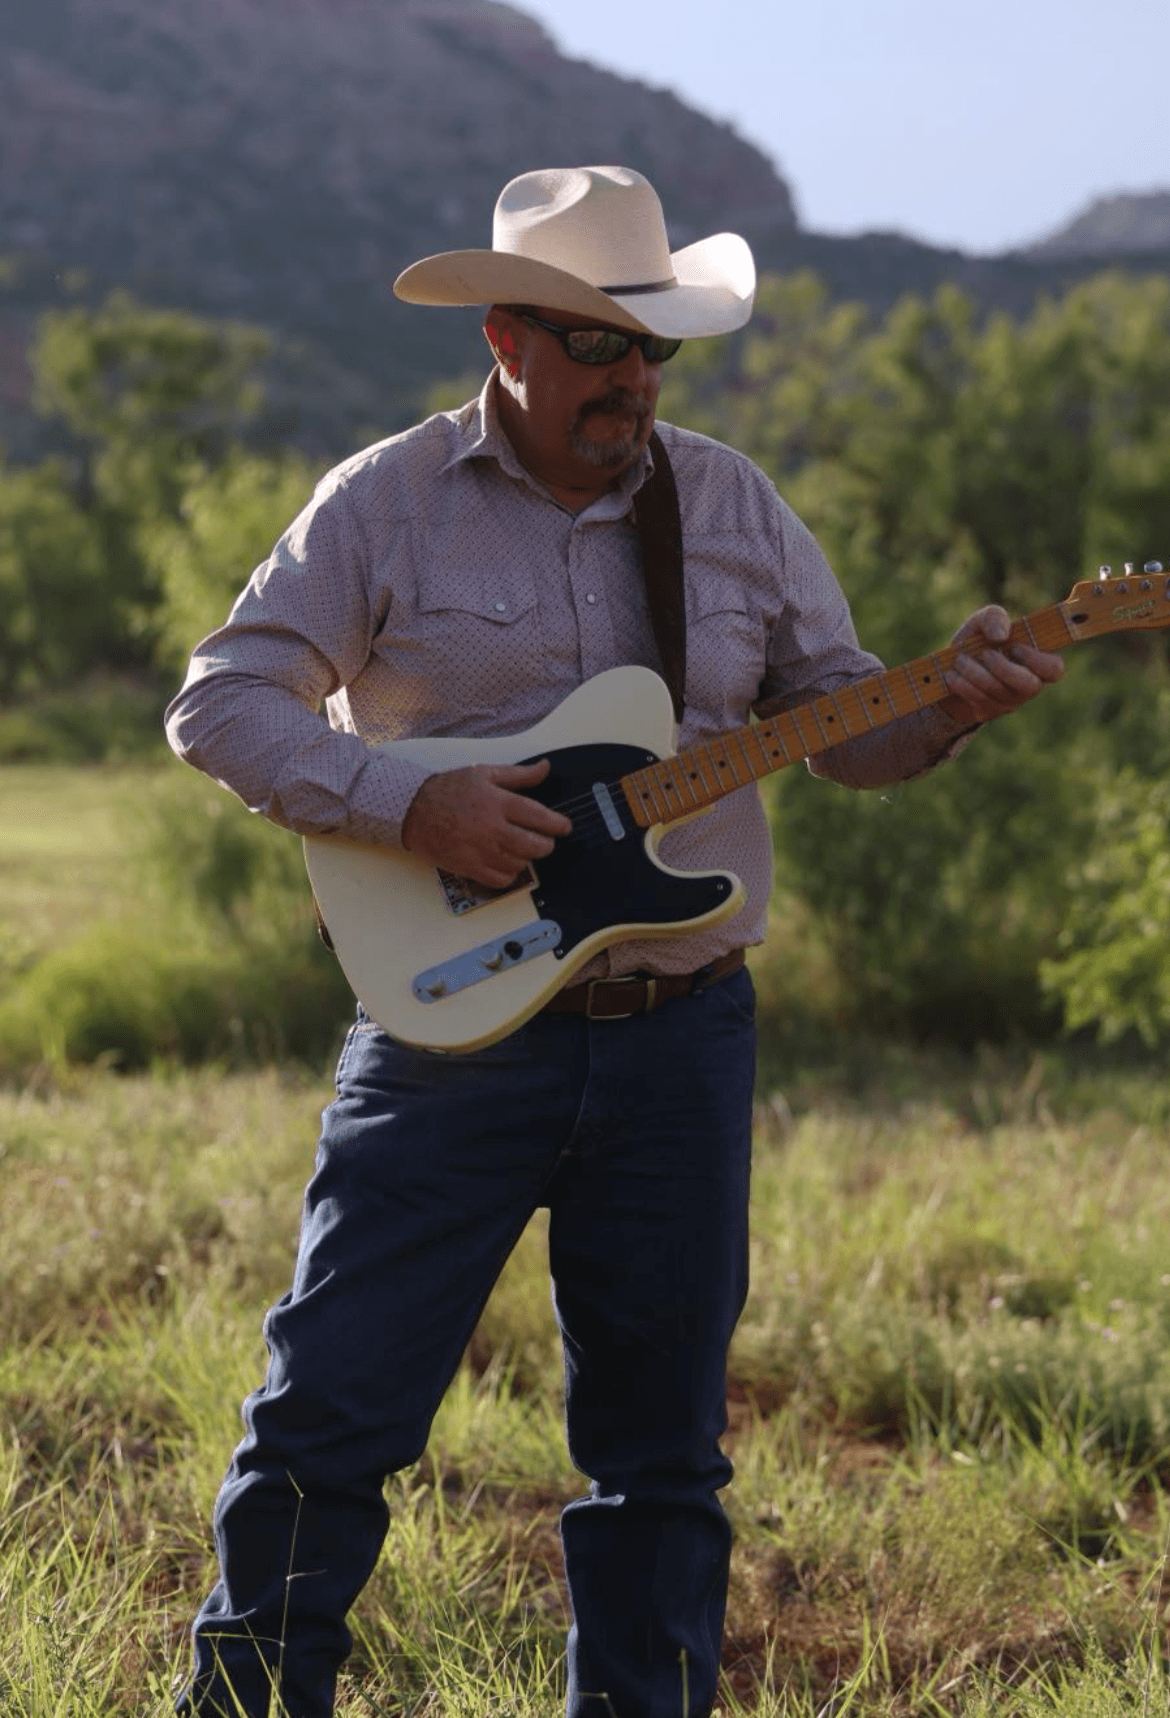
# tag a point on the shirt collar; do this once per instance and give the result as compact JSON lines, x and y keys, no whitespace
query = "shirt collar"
{"x":482,"y":436}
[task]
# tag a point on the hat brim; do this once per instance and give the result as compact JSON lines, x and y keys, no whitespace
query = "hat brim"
{"x":713,"y":290}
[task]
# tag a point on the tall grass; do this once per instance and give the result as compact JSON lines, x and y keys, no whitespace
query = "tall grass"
{"x":919,"y":1530}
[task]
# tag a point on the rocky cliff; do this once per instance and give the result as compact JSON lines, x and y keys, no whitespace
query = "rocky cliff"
{"x":1129,"y":223}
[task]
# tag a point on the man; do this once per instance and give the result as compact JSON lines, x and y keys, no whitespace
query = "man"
{"x":462,"y":579}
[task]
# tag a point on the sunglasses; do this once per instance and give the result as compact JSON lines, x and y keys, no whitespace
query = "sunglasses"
{"x":604,"y":345}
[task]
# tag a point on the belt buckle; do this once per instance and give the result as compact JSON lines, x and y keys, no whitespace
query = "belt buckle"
{"x":650,"y":982}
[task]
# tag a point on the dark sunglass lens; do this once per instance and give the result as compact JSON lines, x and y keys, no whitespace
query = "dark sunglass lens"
{"x":657,"y":349}
{"x":597,"y":345}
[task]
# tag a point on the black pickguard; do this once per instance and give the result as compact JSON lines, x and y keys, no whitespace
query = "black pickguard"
{"x":591,"y":881}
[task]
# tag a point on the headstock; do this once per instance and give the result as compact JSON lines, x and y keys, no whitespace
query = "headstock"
{"x":1137,"y":601}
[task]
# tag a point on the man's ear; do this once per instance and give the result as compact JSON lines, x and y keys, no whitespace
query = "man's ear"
{"x":497,"y":331}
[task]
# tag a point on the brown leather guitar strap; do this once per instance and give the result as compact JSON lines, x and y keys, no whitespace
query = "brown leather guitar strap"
{"x":656,"y":516}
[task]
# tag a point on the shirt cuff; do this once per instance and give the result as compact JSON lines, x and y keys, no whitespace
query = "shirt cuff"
{"x":380,"y":798}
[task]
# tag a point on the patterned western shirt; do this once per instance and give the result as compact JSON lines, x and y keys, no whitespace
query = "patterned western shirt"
{"x":432,"y":586}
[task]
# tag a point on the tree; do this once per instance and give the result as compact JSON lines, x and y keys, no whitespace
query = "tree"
{"x":148,"y":392}
{"x":228,"y":518}
{"x":51,"y":582}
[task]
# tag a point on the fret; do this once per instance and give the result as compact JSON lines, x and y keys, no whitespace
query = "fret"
{"x":665,"y":785}
{"x":648,"y":787}
{"x":794,"y":720}
{"x":675,"y":779}
{"x":772,"y":739}
{"x":710,"y":789}
{"x":847,"y":699}
{"x":741,"y":736}
{"x":911,"y":673}
{"x":766,"y":765}
{"x":815,"y":711}
{"x":729,"y":755}
{"x":718,"y":773}
{"x":686,"y":762}
{"x":874,"y":696}
{"x":846,"y":731}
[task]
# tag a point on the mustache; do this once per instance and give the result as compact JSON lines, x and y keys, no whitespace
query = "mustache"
{"x":618,"y":401}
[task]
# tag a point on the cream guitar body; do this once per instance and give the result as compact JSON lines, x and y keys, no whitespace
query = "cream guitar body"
{"x":437,"y":961}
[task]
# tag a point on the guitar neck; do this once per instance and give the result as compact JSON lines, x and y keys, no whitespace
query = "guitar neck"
{"x":696,"y":778}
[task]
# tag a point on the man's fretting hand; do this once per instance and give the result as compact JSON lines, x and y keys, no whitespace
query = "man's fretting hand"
{"x":995,"y":682}
{"x":480,"y":823}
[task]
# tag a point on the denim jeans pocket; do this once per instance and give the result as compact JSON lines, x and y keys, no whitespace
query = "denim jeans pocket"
{"x":736,"y":995}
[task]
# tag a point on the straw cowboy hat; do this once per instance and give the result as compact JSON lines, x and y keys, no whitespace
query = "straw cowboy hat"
{"x":592,"y":241}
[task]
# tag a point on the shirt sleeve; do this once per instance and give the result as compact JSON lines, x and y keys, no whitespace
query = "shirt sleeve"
{"x":814,"y":649}
{"x":249,"y":712}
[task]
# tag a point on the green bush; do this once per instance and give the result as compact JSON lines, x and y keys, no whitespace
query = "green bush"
{"x":218,"y":958}
{"x":101,"y":719}
{"x":1111,"y":970}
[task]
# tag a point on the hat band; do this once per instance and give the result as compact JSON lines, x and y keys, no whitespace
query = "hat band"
{"x":632,"y":291}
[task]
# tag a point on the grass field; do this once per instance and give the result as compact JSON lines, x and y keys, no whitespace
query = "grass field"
{"x":949,"y":1404}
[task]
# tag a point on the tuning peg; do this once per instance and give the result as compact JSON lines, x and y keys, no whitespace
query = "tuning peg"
{"x":1129,"y":569}
{"x":1104,"y":571}
{"x":1152,"y":567}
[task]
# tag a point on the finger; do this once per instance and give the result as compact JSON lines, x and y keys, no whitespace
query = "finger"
{"x":1046,"y":665}
{"x":493,"y":876}
{"x":523,"y":844}
{"x":520,"y":808}
{"x":993,"y":675}
{"x":992,"y":623}
{"x":523,"y":813}
{"x":519,"y":775}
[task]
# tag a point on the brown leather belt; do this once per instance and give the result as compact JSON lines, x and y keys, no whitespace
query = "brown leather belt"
{"x":640,"y":993}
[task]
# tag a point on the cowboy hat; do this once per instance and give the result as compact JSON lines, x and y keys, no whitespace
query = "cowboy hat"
{"x":592,"y":241}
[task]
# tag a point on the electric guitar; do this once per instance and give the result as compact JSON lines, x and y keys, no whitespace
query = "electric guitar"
{"x":441,"y":962}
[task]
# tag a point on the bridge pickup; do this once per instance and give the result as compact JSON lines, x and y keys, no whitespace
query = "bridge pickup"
{"x":486,"y":961}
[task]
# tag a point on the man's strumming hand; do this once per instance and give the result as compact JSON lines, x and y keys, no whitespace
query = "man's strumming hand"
{"x":480,"y":823}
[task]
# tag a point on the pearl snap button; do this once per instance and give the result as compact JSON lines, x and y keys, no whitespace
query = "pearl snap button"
{"x":500,"y":607}
{"x":590,"y":597}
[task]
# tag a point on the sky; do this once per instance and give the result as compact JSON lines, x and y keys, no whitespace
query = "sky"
{"x":981,"y":127}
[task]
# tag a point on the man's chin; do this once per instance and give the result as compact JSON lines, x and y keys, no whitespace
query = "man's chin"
{"x":609,"y":453}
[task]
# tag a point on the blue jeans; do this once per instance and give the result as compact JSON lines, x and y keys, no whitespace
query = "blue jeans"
{"x":636,"y":1134}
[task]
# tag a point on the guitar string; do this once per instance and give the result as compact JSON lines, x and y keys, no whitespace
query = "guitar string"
{"x":589,"y":800}
{"x":586,"y":803}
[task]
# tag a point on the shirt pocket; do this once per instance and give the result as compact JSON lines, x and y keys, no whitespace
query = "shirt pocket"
{"x":476,"y":637}
{"x":500,"y":601}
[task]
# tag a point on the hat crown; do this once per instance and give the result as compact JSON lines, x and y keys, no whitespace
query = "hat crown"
{"x":603,"y":224}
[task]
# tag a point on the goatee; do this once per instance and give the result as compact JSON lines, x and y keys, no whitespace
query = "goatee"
{"x":618,"y":450}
